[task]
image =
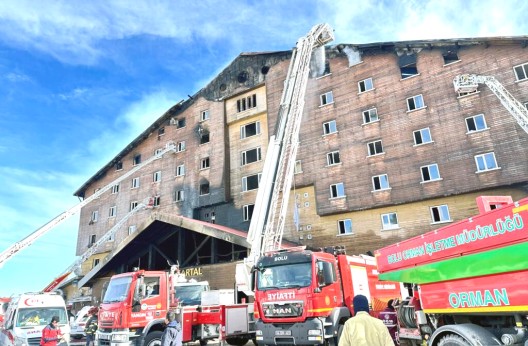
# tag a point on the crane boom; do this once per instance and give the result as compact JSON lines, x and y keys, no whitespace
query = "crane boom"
{"x":470,"y":82}
{"x":267,"y":224}
{"x":147,"y":203}
{"x":30,"y":239}
{"x":269,"y":214}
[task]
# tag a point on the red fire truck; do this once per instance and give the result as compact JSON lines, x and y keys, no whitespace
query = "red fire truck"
{"x":305,"y":297}
{"x":469,"y":279}
{"x":135,"y":305}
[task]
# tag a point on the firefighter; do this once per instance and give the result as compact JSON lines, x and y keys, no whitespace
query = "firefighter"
{"x":389,"y":318}
{"x":91,"y":325}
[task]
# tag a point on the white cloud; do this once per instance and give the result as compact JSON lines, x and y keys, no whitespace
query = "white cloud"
{"x":386,"y":21}
{"x":76,"y":31}
{"x":77,"y":93}
{"x":16,"y":77}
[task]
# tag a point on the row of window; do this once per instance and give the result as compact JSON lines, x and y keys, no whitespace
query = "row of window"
{"x":475,"y":123}
{"x":484,"y":162}
{"x":247,"y":130}
{"x":389,"y":221}
{"x":413,"y":103}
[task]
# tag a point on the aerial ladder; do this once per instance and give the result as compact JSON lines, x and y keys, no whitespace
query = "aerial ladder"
{"x":147,"y":203}
{"x":30,"y":239}
{"x":468,"y":83}
{"x":271,"y":204}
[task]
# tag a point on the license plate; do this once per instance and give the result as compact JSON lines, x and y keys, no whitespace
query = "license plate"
{"x":283,"y":332}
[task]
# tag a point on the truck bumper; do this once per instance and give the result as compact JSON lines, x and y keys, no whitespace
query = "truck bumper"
{"x":309,"y":332}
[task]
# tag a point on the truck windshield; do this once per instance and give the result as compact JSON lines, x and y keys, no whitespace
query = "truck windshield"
{"x":117,"y":290}
{"x":189,"y":294}
{"x":31,"y":317}
{"x":284,"y":276}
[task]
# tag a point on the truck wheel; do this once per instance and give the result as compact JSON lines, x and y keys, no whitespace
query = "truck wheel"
{"x":203,"y":342}
{"x":453,"y":340}
{"x":237,"y":341}
{"x":153,"y":338}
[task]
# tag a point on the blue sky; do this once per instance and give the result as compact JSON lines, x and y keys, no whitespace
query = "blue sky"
{"x":80,"y":79}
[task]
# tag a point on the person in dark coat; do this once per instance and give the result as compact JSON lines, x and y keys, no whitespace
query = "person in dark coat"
{"x":51,"y":334}
{"x":172,"y":335}
{"x":91,"y":325}
{"x":390,"y":319}
{"x":363,"y":329}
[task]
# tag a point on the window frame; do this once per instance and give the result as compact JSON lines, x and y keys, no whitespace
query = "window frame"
{"x":337,"y":190}
{"x":179,"y":195}
{"x":180,"y":147}
{"x":369,"y":113}
{"x":134,"y":181}
{"x":379,"y":182}
{"x":297,"y":169}
{"x":204,"y":115}
{"x":112,"y":211}
{"x":243,"y":129}
{"x":429,"y":173}
{"x":180,"y":170}
{"x":156,"y":177}
{"x":95,"y":216}
{"x":422,"y":137}
{"x":342,"y":227}
{"x":326,"y":98}
{"x":115,"y":189}
{"x":473,"y":119}
{"x":247,"y":102}
{"x":439,"y":212}
{"x":524,"y":68}
{"x":484,"y":161}
{"x":374,"y":148}
{"x":414,"y":98}
{"x":247,"y":214}
{"x":245,"y":182}
{"x":133,"y":205}
{"x":364,"y":84}
{"x":389,"y":226}
{"x":328,"y":125}
{"x":331,"y":158}
{"x":244,"y":156}
{"x":205,"y":163}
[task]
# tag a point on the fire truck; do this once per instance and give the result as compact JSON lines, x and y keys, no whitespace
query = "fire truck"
{"x":135,"y":305}
{"x":305,"y":297}
{"x":468,"y":279}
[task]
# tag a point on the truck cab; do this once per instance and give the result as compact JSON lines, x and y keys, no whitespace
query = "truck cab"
{"x":301,"y":288}
{"x":135,"y":305}
{"x":28,"y":314}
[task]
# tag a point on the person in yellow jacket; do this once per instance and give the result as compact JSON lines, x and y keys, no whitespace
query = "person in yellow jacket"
{"x":363,"y":329}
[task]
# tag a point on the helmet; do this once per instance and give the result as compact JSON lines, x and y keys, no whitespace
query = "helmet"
{"x":93,"y":311}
